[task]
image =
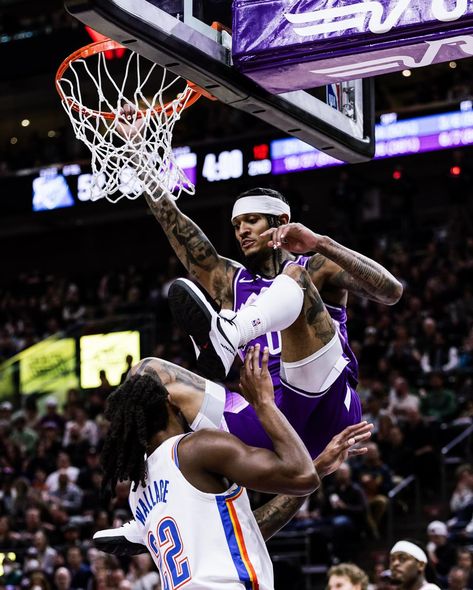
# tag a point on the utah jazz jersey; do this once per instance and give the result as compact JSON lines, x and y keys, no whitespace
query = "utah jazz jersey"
{"x":199,"y":541}
{"x":247,"y":287}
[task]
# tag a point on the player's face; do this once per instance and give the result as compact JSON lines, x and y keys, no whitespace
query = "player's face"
{"x":404,"y":568}
{"x":248,"y":228}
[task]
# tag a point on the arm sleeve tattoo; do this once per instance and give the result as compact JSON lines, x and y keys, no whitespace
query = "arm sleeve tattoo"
{"x":361,"y":275}
{"x":273,"y":515}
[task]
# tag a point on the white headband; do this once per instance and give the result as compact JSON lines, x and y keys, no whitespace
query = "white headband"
{"x":260,"y":204}
{"x":410,"y":549}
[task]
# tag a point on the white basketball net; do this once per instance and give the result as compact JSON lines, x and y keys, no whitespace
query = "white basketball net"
{"x":132,"y":154}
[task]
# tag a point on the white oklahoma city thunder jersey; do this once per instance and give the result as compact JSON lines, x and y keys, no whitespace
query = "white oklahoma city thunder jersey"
{"x":198,"y":540}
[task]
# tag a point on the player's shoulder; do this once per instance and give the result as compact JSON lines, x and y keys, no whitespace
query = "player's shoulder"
{"x":230,"y":264}
{"x":202,"y":444}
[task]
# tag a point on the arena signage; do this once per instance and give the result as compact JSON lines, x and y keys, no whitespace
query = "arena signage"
{"x":316,"y":43}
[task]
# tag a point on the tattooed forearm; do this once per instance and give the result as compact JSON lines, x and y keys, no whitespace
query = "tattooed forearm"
{"x":360,"y":274}
{"x":167,"y":372}
{"x":273,"y":515}
{"x":189,"y":242}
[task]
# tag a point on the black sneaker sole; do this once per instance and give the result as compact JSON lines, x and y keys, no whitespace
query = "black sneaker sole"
{"x":194,"y":318}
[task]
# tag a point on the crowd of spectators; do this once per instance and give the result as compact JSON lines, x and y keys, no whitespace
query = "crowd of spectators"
{"x":416,"y":371}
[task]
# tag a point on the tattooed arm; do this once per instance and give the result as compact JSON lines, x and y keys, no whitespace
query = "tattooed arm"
{"x":359,"y":274}
{"x":189,"y":242}
{"x":276,"y":513}
{"x":194,"y":249}
{"x":336,"y":267}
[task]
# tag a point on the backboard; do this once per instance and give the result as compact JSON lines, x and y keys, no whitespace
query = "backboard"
{"x":178,"y":35}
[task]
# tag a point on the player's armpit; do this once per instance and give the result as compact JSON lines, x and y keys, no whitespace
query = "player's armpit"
{"x":258,"y":469}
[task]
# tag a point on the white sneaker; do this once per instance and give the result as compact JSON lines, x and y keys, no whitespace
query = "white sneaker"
{"x":124,"y":540}
{"x":214,"y":333}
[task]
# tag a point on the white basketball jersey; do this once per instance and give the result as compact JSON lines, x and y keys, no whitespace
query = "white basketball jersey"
{"x":198,"y":540}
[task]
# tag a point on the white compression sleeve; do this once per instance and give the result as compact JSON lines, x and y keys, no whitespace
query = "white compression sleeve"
{"x":275,"y":309}
{"x":211,"y":411}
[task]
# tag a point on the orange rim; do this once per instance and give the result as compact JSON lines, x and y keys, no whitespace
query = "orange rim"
{"x":189,"y":96}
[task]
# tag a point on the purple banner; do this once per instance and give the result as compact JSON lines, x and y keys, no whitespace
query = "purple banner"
{"x":411,"y":136}
{"x":309,"y":43}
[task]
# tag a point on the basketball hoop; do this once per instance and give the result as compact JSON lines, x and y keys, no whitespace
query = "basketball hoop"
{"x":125,"y":112}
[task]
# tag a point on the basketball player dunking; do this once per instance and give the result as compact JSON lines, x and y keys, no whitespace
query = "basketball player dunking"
{"x":294,"y":304}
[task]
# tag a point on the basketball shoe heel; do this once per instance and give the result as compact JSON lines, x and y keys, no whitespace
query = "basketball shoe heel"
{"x":214,"y":334}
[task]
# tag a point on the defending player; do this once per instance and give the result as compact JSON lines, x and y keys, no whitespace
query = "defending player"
{"x":293,"y":304}
{"x":187,"y":496}
{"x":181,"y":495}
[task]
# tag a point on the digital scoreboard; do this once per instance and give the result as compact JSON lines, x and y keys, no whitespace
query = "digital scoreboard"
{"x":56,"y":187}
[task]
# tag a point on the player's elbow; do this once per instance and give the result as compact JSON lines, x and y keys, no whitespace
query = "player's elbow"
{"x":395,"y":292}
{"x":305,"y":483}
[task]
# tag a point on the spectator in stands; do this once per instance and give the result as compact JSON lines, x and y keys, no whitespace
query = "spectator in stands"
{"x":45,"y":458}
{"x":33,"y":523}
{"x":63,"y":464}
{"x":46,"y":555}
{"x":457,"y":579}
{"x":465,"y":561}
{"x":376,"y":480}
{"x":70,"y":535}
{"x":461,"y":501}
{"x":73,"y":400}
{"x":374,"y":410}
{"x":67,"y":494}
{"x":120,"y":500}
{"x":6,"y":409}
{"x":23,"y":436}
{"x":397,"y":454}
{"x":8,"y":539}
{"x":86,"y":428}
{"x":420,"y":438}
{"x":402,"y":356}
{"x":93,"y":493}
{"x":80,"y":572}
{"x":371,"y":352}
{"x":105,"y":387}
{"x":142,"y":574}
{"x":437,"y":355}
{"x":51,"y":415}
{"x":128,"y":365}
{"x":77,"y":446}
{"x":92,"y":464}
{"x":442,"y":553}
{"x":346,"y":509}
{"x":401,"y":400}
{"x":37,"y":579}
{"x":62,"y":579}
{"x":73,"y":310}
{"x":346,"y":576}
{"x":438,"y":403}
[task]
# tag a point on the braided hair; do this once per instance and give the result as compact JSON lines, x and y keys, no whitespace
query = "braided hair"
{"x":136,"y":411}
{"x":273,"y":220}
